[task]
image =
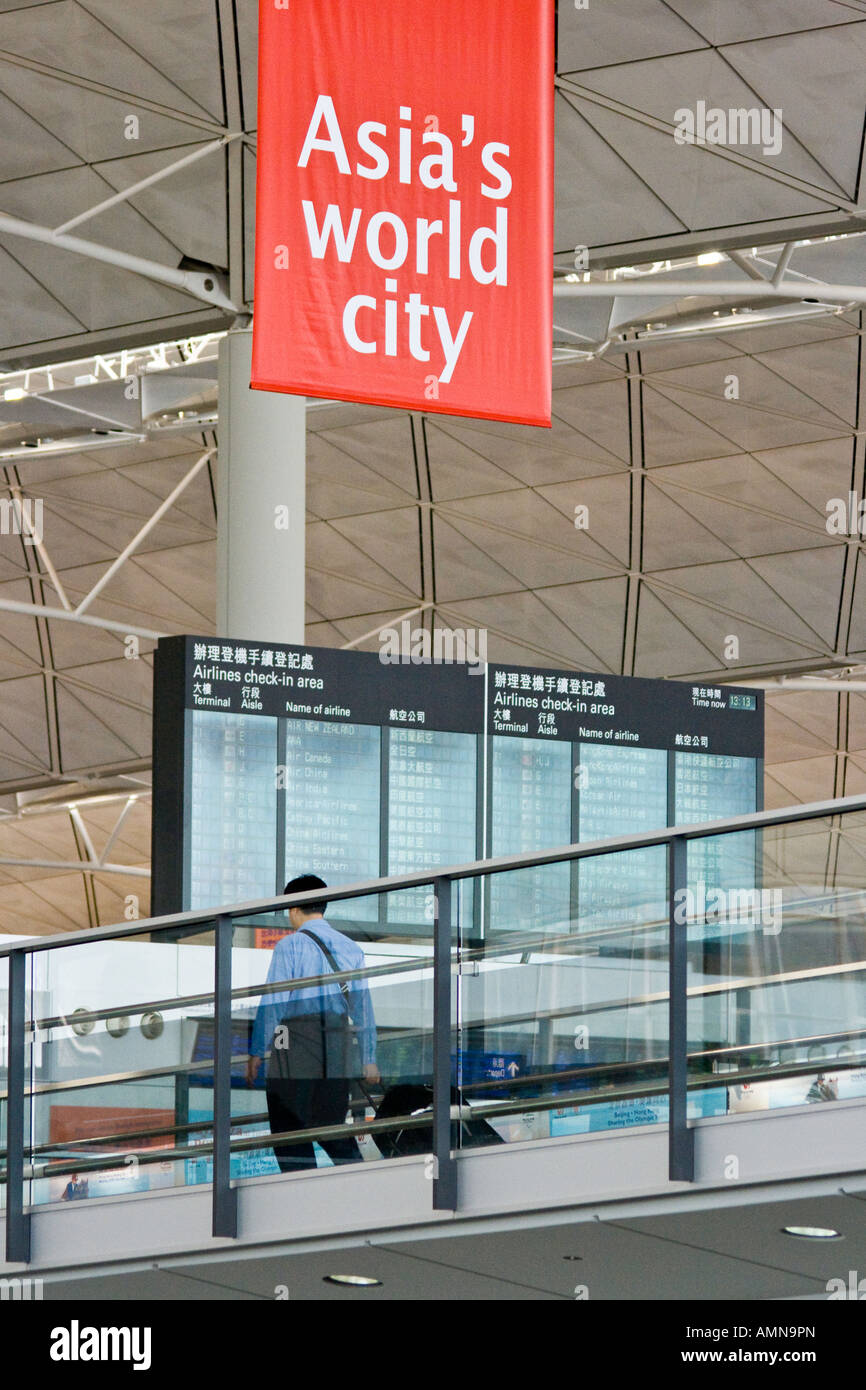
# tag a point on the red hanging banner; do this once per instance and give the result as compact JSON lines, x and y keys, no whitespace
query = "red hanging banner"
{"x":404,"y":219}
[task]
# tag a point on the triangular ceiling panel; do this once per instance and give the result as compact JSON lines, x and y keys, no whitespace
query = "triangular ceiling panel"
{"x":76,"y":42}
{"x":800,"y":724}
{"x":463,"y":571}
{"x":805,"y":581}
{"x":620,"y":198}
{"x":824,"y":373}
{"x":673,"y":433}
{"x":93,"y":125}
{"x":394,"y":541}
{"x":785,"y":72}
{"x":733,"y":21}
{"x":457,"y":469}
{"x":383,"y":444}
{"x":23,"y":737}
{"x":88,"y":733}
{"x":594,"y":612}
{"x":632,"y":29}
{"x":699,"y":186}
{"x":759,"y":644}
{"x":661,"y":87}
{"x":599,"y":418}
{"x":507,"y":539}
{"x":533,"y":457}
{"x":666,"y":645}
{"x":177,"y":42}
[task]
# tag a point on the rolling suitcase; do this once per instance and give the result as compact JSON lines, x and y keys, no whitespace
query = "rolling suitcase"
{"x":408,"y":1099}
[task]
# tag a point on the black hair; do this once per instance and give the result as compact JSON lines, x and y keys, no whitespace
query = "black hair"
{"x":300,"y":884}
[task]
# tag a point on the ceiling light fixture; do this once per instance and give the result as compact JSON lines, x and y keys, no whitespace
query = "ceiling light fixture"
{"x":812,"y":1232}
{"x":355,"y":1281}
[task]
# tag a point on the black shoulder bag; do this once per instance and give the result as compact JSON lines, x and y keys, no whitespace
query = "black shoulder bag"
{"x":342,"y":1048}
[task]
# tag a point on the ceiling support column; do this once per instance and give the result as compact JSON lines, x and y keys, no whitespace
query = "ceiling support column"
{"x":261,"y":504}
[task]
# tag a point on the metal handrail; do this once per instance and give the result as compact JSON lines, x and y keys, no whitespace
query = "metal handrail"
{"x":520,"y":943}
{"x":657,"y":997}
{"x":486,"y":1110}
{"x":189,"y":921}
{"x":219,"y":920}
{"x":597,"y":1071}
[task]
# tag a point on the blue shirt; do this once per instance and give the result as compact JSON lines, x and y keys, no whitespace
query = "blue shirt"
{"x":297,"y":957}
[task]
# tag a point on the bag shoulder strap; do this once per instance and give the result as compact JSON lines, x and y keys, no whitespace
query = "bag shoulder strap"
{"x":331,"y":959}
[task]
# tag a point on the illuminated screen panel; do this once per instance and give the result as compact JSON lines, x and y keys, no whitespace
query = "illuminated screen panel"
{"x":432,"y":812}
{"x":531,"y":785}
{"x":233,"y":810}
{"x":621,"y":791}
{"x":708,"y":787}
{"x":276,"y":760}
{"x":332,"y":786}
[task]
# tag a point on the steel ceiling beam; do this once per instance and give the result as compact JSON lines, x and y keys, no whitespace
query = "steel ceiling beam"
{"x":654,"y":287}
{"x":144,"y":532}
{"x":38,"y":543}
{"x":745,"y":264}
{"x":388,"y":622}
{"x":125,"y":194}
{"x":39,"y":610}
{"x":782,"y":264}
{"x":59,"y":780}
{"x":118,"y":826}
{"x":203,"y":285}
{"x":232,"y":82}
{"x":79,"y":866}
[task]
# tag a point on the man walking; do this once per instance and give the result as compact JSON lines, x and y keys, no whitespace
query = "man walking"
{"x":319,"y":1037}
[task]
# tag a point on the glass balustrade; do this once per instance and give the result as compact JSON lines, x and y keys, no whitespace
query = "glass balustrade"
{"x":558,"y":1025}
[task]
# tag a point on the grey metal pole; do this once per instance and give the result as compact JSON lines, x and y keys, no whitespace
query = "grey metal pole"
{"x":17,"y":1221}
{"x":261,"y":504}
{"x":445,"y":1171}
{"x":225,"y":1197}
{"x":681,"y":1139}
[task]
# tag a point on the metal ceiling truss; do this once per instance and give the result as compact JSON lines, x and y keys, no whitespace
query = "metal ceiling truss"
{"x":207,"y":286}
{"x":79,"y":614}
{"x":75,"y":866}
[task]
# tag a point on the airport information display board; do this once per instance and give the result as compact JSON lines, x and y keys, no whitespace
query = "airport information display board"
{"x":270,"y":761}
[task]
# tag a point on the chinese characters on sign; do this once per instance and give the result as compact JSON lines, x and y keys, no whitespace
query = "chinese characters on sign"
{"x":304,"y":759}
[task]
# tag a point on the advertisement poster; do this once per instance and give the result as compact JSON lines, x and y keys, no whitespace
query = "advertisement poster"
{"x":404,"y":213}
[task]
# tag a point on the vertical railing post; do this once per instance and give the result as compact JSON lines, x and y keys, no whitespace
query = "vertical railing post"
{"x":445,"y":1171}
{"x":225,"y":1197}
{"x":17,"y":1220}
{"x":681,"y":1139}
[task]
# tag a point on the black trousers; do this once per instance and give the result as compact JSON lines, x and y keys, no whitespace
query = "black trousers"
{"x":308,"y":1087}
{"x":307,"y":1103}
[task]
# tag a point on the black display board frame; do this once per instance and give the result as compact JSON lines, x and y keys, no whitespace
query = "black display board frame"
{"x":333,"y":685}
